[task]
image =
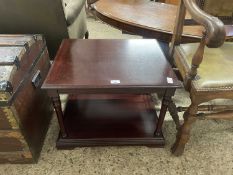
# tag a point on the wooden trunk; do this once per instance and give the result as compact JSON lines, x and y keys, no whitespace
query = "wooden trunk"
{"x":25,"y":110}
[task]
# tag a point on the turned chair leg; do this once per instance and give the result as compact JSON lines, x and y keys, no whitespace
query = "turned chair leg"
{"x":174,"y":113}
{"x":183,"y":134}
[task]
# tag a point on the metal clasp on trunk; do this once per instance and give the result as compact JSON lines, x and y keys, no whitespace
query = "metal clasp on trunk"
{"x":13,"y":61}
{"x":36,"y":80}
{"x":6,"y":86}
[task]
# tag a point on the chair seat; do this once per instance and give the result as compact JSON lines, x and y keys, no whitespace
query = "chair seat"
{"x":216,"y":69}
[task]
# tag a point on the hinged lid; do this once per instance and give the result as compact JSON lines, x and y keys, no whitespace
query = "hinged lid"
{"x":17,"y":54}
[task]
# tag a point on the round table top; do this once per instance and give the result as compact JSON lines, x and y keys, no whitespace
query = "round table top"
{"x":146,"y":18}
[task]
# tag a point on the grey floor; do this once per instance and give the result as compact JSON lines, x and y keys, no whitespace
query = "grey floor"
{"x":209,"y":151}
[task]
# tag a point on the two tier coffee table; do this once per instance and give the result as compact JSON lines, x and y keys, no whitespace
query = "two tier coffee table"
{"x":110,"y":83}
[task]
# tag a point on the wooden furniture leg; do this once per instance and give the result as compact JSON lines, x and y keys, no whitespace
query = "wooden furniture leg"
{"x":174,"y":113}
{"x":165,"y":103}
{"x":184,"y":131}
{"x":57,"y":106}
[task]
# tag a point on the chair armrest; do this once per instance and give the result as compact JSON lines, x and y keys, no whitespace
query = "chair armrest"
{"x":72,"y":10}
{"x":215,"y":30}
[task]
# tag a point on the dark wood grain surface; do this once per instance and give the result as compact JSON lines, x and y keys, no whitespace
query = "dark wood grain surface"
{"x":93,"y":64}
{"x":147,"y":18}
{"x":109,"y":83}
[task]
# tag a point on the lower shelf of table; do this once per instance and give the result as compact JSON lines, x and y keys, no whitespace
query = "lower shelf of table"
{"x":104,"y":120}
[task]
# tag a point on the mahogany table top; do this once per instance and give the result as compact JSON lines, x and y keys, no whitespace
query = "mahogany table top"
{"x":102,"y":65}
{"x":146,"y":18}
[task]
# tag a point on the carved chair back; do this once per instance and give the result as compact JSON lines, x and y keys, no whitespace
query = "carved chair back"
{"x":214,"y":34}
{"x":217,"y":7}
{"x":222,"y":9}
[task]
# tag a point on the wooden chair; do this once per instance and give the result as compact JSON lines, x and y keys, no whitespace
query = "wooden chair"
{"x":55,"y":19}
{"x":206,"y":67}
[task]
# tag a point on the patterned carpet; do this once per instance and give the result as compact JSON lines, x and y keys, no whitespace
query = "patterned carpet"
{"x":209,"y":151}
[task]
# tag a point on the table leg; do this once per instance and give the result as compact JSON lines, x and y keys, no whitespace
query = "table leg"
{"x":174,"y":113}
{"x":165,"y":102}
{"x":57,"y":106}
